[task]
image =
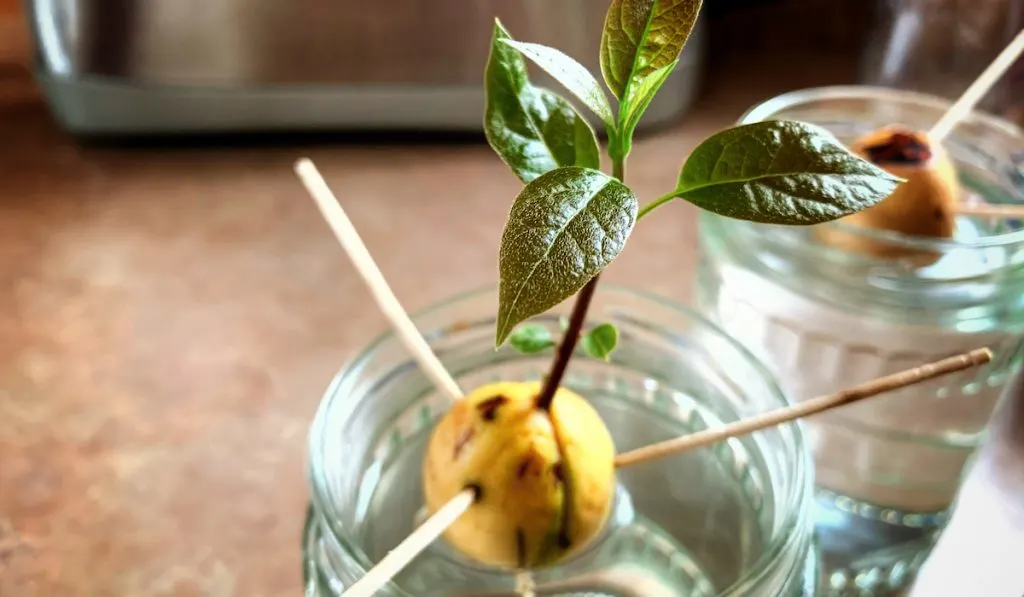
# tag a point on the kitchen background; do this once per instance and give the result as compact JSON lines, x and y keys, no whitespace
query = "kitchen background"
{"x":929,"y":45}
{"x":169,"y":318}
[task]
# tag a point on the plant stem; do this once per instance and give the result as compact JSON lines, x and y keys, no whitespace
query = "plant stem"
{"x":619,"y":169}
{"x":656,"y":203}
{"x":567,"y":345}
{"x":576,"y":320}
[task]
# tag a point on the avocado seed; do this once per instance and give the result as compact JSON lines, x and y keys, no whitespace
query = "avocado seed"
{"x":923,"y":206}
{"x":544,"y":479}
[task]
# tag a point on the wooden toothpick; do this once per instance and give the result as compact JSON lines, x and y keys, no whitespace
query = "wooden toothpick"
{"x":991,"y":210}
{"x":420,"y":539}
{"x":806,"y":408}
{"x":371,"y":274}
{"x":977,"y":90}
{"x":345,"y":232}
{"x":525,"y":587}
{"x":963,"y":107}
{"x":435,"y":526}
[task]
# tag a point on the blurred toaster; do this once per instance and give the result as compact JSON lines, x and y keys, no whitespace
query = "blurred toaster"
{"x":169,"y":66}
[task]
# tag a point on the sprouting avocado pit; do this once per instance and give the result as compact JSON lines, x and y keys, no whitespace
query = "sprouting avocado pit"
{"x":544,"y":479}
{"x":925,"y":205}
{"x":902,"y":147}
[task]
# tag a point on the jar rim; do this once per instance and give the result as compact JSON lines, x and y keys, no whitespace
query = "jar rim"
{"x":796,"y":502}
{"x":767,"y":109}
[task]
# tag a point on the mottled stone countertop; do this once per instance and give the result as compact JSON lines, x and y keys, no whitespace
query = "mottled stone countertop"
{"x":170,"y":317}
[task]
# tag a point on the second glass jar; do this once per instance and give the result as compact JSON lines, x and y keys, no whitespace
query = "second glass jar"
{"x":825,"y":318}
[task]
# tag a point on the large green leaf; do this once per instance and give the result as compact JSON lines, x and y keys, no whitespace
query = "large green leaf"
{"x":573,"y":75}
{"x":533,"y":130}
{"x":781,"y":172}
{"x":564,"y":228}
{"x":642,"y":36}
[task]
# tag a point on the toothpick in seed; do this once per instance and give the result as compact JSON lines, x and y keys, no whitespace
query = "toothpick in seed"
{"x":978,"y":89}
{"x":346,"y":234}
{"x":806,"y":408}
{"x":525,"y":586}
{"x":435,"y":526}
{"x":411,"y":546}
{"x":991,"y":210}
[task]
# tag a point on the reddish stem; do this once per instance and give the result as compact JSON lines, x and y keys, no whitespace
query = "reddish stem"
{"x":568,"y":345}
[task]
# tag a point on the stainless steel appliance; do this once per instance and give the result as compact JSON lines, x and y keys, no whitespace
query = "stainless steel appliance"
{"x":152,"y":66}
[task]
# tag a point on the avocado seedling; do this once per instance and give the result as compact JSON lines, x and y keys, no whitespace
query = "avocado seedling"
{"x":537,"y":458}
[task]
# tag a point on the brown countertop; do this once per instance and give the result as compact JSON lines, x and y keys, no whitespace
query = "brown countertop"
{"x":170,"y":317}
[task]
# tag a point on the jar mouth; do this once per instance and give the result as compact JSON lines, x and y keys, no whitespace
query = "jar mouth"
{"x":789,"y":529}
{"x":920,"y":103}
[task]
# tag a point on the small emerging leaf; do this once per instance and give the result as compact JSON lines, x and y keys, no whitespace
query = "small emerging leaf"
{"x":638,"y":102}
{"x":573,"y":75}
{"x":531,"y":338}
{"x":600,"y":341}
{"x":563,"y":323}
{"x":533,"y":130}
{"x":642,"y":36}
{"x":564,"y":228}
{"x":781,"y":172}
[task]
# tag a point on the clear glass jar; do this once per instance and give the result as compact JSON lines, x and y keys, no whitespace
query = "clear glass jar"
{"x":824,"y":318}
{"x":732,"y":519}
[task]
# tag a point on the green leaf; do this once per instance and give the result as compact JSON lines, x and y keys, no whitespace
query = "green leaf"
{"x":573,"y":75}
{"x":600,"y":341}
{"x":585,"y":150}
{"x":563,"y":323}
{"x":531,"y":338}
{"x":638,"y":102}
{"x":781,"y":172}
{"x":564,"y":228}
{"x":533,"y":130}
{"x":642,"y":36}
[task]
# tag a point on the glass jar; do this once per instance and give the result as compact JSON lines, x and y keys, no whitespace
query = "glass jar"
{"x":824,"y":318}
{"x":731,"y":519}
